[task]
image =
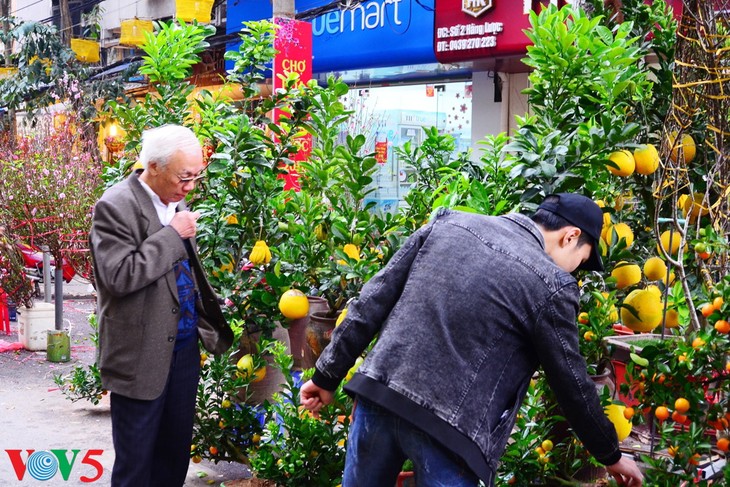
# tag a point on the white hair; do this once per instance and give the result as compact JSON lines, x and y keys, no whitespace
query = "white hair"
{"x":160,"y":143}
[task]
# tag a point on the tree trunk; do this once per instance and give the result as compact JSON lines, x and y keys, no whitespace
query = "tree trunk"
{"x":5,"y":6}
{"x":65,"y":22}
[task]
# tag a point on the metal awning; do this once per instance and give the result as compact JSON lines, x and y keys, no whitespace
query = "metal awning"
{"x":116,"y":69}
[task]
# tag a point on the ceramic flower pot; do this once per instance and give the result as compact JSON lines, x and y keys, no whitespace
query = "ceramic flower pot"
{"x":261,"y":391}
{"x":319,"y":332}
{"x":301,"y":354}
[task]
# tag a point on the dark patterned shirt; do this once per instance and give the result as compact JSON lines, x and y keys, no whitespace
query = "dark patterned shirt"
{"x":187,"y":326}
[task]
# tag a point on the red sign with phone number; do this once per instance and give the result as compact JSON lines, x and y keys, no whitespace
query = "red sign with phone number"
{"x":478,"y":30}
{"x":468,"y":30}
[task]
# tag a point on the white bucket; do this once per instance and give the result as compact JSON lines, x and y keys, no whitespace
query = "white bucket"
{"x":34,"y":323}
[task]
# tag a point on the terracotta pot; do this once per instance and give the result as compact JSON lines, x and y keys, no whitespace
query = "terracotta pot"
{"x":319,"y":332}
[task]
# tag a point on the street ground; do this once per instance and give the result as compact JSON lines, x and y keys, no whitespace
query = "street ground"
{"x":36,"y":416}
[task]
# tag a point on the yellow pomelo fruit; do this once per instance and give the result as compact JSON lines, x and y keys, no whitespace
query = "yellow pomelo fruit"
{"x":245,"y":369}
{"x":294,"y":304}
{"x":622,"y":231}
{"x":626,"y":274}
{"x":646,"y":158}
{"x":625,"y":162}
{"x":676,"y":241}
{"x":647,"y":310}
{"x":615,"y":413}
{"x":687,"y":145}
{"x":671,"y":319}
{"x":654,"y":290}
{"x":607,"y":223}
{"x":259,"y":375}
{"x":601,"y":203}
{"x":682,"y":200}
{"x":655,"y":269}
{"x":670,"y":280}
{"x":694,"y":206}
{"x":245,"y":365}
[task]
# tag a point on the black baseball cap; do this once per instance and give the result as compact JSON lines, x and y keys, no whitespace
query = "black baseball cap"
{"x":585,"y":214}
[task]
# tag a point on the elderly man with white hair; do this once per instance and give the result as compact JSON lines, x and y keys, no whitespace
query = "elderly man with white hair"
{"x":154,"y":302}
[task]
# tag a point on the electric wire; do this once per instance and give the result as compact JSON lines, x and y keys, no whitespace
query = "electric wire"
{"x":13,"y":13}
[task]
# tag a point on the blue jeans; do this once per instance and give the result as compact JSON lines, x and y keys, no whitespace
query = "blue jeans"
{"x":379,"y":442}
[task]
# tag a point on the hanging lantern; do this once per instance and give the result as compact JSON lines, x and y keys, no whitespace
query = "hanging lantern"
{"x":189,"y":10}
{"x":133,"y":31}
{"x":87,"y":51}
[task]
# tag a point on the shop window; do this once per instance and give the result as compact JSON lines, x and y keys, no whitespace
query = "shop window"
{"x":391,"y":116}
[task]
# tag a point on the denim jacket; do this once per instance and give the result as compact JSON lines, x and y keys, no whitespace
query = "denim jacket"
{"x":465,"y":312}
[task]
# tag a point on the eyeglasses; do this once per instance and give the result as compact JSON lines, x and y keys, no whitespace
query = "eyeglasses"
{"x":189,"y":179}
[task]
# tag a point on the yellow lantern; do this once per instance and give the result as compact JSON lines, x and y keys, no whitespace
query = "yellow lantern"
{"x":133,"y":31}
{"x":87,"y":51}
{"x":189,"y":10}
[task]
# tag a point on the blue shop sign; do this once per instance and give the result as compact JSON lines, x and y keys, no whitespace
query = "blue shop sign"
{"x":375,"y":33}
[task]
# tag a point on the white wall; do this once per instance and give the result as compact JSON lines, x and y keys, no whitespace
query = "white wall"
{"x":485,"y":113}
{"x":117,"y":10}
{"x":31,"y":9}
{"x":489,"y":117}
{"x":517,"y":82}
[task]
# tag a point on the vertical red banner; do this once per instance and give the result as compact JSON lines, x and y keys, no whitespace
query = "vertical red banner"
{"x":293,"y":43}
{"x":381,"y":148}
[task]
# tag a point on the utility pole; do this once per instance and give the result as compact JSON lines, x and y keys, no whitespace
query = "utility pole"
{"x":283,"y":8}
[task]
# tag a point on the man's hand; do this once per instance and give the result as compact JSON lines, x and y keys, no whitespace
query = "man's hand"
{"x":626,"y":473}
{"x":185,"y":223}
{"x":314,"y":397}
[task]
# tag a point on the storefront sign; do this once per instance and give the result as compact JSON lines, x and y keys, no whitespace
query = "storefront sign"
{"x":475,"y":8}
{"x":468,"y":30}
{"x":369,"y":34}
{"x":293,"y":44}
{"x":474,"y":30}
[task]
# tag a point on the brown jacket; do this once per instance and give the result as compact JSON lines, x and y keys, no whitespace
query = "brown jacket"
{"x":138,"y":308}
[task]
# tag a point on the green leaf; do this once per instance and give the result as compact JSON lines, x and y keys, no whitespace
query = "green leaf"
{"x":639,"y":360}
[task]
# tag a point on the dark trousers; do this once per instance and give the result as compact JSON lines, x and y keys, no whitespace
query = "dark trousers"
{"x":152,"y":438}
